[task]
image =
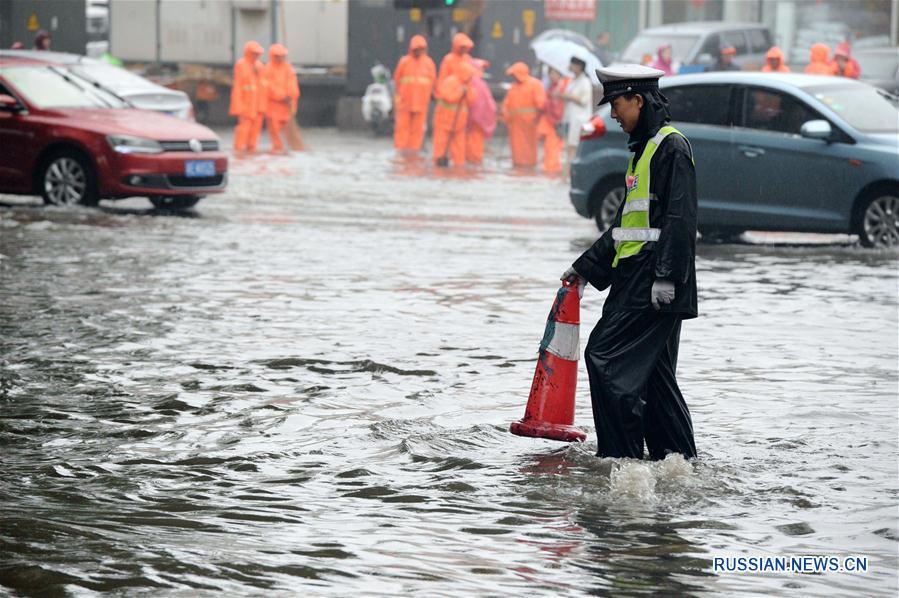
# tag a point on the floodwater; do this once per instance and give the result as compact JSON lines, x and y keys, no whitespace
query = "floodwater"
{"x":305,"y":386}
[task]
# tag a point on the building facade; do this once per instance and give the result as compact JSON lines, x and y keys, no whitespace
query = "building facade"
{"x":65,"y":20}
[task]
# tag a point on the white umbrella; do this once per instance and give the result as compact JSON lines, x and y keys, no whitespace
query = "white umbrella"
{"x":572,"y":36}
{"x":557,"y":53}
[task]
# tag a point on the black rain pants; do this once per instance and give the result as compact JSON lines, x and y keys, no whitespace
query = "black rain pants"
{"x":631,"y":359}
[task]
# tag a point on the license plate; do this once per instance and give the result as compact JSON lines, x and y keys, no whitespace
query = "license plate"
{"x":198,"y":168}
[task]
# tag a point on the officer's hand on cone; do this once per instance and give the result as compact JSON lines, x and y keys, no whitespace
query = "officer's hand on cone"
{"x":571,"y":275}
{"x":662,"y":293}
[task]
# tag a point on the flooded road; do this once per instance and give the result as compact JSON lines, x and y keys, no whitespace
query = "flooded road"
{"x":305,"y":387}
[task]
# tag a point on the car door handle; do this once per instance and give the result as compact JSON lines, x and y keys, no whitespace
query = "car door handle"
{"x":751,"y":151}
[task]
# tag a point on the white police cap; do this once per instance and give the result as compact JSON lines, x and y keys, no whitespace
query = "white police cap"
{"x":627,"y":78}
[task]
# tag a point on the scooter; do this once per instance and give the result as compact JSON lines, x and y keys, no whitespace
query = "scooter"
{"x":377,"y":103}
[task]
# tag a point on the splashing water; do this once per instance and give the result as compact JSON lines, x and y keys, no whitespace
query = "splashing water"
{"x":636,"y":481}
{"x":633,"y":481}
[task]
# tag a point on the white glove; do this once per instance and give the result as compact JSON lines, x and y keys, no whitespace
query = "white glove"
{"x":571,"y":275}
{"x":662,"y":293}
{"x":567,"y":274}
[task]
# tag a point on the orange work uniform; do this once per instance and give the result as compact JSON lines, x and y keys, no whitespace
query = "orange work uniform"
{"x":459,"y":54}
{"x":454,"y":96}
{"x":818,"y":64}
{"x":852,"y":69}
{"x":248,"y":98}
{"x":475,"y":138}
{"x":414,"y":77}
{"x":774,"y":62}
{"x":550,"y":118}
{"x":521,"y":111}
{"x":283,"y":93}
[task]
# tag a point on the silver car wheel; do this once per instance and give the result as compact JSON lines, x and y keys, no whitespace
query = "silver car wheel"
{"x":881,"y":222}
{"x":65,"y":182}
{"x":608,"y":207}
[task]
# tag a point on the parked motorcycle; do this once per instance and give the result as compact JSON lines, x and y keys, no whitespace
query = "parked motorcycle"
{"x":377,"y":103}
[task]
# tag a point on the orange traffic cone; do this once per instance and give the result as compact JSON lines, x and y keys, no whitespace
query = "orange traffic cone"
{"x":550,"y":410}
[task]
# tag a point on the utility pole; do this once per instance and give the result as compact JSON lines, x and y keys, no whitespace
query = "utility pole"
{"x":894,"y":23}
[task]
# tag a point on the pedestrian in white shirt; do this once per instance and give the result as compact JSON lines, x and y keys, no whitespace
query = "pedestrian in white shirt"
{"x":578,"y":98}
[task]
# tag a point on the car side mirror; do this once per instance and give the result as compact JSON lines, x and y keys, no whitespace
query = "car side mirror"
{"x":816,"y":129}
{"x":9,"y":103}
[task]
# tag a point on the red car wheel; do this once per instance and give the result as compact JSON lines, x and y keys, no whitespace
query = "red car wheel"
{"x":68,"y":179}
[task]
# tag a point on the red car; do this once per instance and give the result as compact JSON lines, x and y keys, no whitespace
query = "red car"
{"x":73,"y":142}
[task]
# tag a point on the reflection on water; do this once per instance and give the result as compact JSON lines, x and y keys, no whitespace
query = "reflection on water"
{"x":308,"y":385}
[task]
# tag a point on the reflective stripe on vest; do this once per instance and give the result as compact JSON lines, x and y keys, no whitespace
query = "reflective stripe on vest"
{"x":644,"y":235}
{"x":635,"y":231}
{"x":636,"y":205}
{"x":414,"y":79}
{"x":452,"y":107}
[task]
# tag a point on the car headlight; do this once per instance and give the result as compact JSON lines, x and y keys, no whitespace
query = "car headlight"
{"x":125,"y":144}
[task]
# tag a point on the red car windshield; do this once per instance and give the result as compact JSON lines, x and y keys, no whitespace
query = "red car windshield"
{"x":47,"y":87}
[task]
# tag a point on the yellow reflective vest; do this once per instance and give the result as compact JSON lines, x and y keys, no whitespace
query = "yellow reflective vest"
{"x":634,"y":231}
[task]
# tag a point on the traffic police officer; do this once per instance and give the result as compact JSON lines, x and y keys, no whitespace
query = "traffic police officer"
{"x":647,"y":258}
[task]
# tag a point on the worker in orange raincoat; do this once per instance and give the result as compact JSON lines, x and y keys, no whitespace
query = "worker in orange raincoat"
{"x":550,"y":119}
{"x":283,"y":94}
{"x":248,"y":98}
{"x":818,"y":64}
{"x":481,"y":117}
{"x":460,"y":53}
{"x":414,"y":76}
{"x":454,"y":97}
{"x":844,"y":65}
{"x":774,"y":61}
{"x":521,"y":111}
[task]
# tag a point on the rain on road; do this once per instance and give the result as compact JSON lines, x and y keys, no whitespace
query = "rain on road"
{"x":307,"y":383}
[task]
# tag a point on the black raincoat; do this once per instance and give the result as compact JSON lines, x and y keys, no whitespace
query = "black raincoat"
{"x":631,"y":356}
{"x":672,"y":257}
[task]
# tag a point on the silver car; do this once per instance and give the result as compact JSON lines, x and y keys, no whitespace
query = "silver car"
{"x":134,"y":89}
{"x":773,"y":151}
{"x":695,"y":45}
